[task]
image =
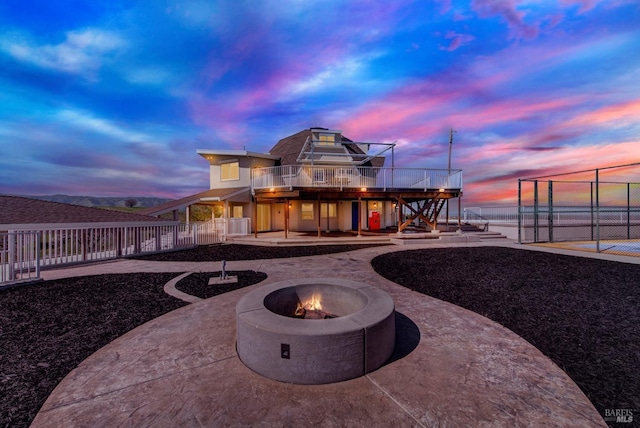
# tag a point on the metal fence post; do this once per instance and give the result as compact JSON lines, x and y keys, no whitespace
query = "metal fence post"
{"x":550,"y":213}
{"x":591,"y":212}
{"x":628,"y":210}
{"x":535,"y":211}
{"x":519,"y":211}
{"x":597,"y":213}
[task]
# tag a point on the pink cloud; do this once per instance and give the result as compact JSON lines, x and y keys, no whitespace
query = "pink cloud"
{"x":621,"y":114}
{"x":585,"y":5}
{"x":457,"y":40}
{"x":509,"y":111}
{"x":495,"y":181}
{"x":507,"y":9}
{"x":445,"y":6}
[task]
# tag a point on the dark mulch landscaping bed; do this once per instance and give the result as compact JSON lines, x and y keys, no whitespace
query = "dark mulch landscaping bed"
{"x":231,"y":252}
{"x":197,"y":284}
{"x":48,"y":328}
{"x":582,"y":313}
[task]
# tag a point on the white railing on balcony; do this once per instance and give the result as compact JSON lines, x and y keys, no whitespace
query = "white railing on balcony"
{"x":352,"y":177}
{"x":53,"y":246}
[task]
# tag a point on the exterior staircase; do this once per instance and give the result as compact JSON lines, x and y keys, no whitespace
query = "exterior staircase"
{"x":481,"y":232}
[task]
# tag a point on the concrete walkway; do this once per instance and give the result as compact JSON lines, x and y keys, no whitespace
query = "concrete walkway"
{"x":452,"y":367}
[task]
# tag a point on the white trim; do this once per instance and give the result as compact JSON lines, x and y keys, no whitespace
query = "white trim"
{"x":244,"y":153}
{"x":328,"y":131}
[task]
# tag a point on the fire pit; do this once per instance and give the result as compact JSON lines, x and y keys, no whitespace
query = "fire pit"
{"x":315,"y":331}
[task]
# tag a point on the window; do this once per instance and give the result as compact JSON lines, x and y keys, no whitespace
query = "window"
{"x":326,"y":139}
{"x":237,"y":211}
{"x":333,"y":210}
{"x":306,"y":211}
{"x":230,"y":171}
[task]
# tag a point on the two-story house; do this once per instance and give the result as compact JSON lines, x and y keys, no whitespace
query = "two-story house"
{"x":320,"y":180}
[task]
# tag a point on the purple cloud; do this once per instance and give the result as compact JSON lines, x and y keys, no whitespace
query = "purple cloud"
{"x":507,"y":9}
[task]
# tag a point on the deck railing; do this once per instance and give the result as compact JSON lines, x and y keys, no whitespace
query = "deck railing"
{"x":352,"y":177}
{"x":23,"y":253}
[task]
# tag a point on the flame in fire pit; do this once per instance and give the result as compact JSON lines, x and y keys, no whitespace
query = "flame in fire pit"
{"x":312,"y":304}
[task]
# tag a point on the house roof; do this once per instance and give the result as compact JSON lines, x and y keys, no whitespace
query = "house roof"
{"x":17,"y":212}
{"x":289,"y":148}
{"x":205,"y":153}
{"x":212,"y":195}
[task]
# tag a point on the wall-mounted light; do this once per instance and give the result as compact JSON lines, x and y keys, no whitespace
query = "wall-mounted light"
{"x":290,"y":205}
{"x":441,"y":190}
{"x":272,"y":189}
{"x":363,"y":189}
{"x":375,"y":205}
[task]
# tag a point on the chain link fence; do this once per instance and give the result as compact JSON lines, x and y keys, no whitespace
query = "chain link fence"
{"x":596,"y":210}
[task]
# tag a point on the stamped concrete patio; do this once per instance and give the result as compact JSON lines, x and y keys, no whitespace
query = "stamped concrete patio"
{"x":451,"y":367}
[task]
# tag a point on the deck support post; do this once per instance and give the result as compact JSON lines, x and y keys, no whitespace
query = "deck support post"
{"x":255,"y":217}
{"x":319,"y":213}
{"x":359,"y":216}
{"x":286,"y":218}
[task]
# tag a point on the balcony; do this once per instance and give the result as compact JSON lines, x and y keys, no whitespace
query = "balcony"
{"x":291,"y":177}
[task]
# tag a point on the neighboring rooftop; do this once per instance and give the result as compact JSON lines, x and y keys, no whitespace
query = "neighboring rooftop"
{"x":18,"y":210}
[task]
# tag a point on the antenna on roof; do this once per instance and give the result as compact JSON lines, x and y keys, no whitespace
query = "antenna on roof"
{"x":451,"y":131}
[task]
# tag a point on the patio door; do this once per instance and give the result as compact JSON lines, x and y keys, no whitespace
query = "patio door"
{"x":263,"y":222}
{"x":355,"y":212}
{"x":278,"y":219}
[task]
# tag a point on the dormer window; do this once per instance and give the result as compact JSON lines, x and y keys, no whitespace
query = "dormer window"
{"x":230,"y":171}
{"x":326,"y":139}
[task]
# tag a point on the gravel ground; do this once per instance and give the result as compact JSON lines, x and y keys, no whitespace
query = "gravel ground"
{"x":234,"y":252}
{"x":582,"y":313}
{"x":197,"y":284}
{"x":48,"y":328}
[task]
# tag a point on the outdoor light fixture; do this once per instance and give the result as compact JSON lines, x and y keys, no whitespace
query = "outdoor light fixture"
{"x":441,"y":190}
{"x":272,"y":189}
{"x":375,"y":205}
{"x":363,"y":189}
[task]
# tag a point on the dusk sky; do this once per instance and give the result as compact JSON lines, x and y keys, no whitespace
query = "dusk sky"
{"x":112,"y":98}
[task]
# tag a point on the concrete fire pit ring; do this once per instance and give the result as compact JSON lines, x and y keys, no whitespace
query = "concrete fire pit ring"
{"x":316,"y":351}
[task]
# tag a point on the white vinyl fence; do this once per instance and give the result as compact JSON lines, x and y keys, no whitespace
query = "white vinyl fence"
{"x":23,"y":253}
{"x":19,"y":256}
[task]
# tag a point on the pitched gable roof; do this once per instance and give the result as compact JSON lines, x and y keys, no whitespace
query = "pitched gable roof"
{"x":17,"y":211}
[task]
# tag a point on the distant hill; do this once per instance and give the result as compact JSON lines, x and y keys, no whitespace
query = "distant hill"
{"x":102,"y":201}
